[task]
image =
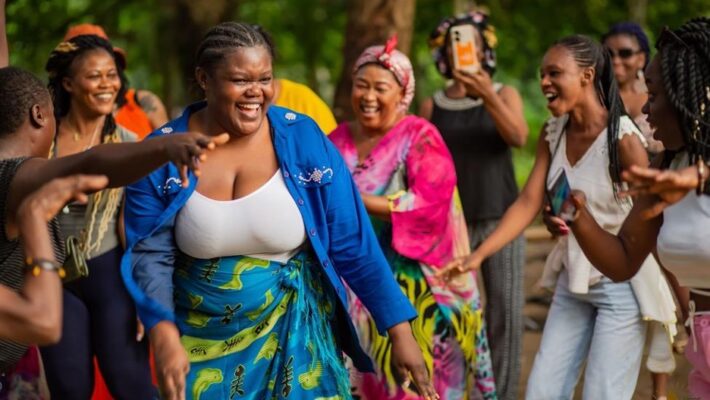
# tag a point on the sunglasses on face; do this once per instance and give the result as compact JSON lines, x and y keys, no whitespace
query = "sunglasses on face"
{"x":624,"y":53}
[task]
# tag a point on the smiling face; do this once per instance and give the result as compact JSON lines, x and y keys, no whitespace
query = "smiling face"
{"x":93,"y":82}
{"x":239,"y":89}
{"x":660,"y":114}
{"x":376,"y":98}
{"x":627,"y":57}
{"x":563,"y":82}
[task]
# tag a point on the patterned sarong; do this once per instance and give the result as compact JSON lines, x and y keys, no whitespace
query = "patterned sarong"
{"x":258,"y":329}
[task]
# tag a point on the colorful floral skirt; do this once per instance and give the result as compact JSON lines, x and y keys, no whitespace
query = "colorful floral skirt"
{"x":258,"y":329}
{"x":453,"y":341}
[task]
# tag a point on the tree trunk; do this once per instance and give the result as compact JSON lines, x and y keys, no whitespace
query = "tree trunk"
{"x":370,"y":22}
{"x":186,"y":22}
{"x":637,"y":11}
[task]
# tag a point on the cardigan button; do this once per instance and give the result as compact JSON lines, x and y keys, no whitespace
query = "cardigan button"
{"x":286,"y":174}
{"x":313,"y":231}
{"x":300,"y":201}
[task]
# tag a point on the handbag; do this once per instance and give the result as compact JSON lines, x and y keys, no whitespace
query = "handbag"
{"x":75,"y":261}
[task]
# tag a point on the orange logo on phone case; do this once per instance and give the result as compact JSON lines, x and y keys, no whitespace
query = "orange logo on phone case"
{"x":466,"y":54}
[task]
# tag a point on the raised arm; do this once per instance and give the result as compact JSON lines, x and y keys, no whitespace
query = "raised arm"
{"x":504,"y":106}
{"x":518,"y":216}
{"x":34,"y":315}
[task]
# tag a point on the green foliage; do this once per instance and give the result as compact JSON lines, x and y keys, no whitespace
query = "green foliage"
{"x":309,"y":36}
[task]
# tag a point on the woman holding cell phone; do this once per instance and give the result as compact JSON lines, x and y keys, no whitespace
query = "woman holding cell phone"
{"x":481,"y":120}
{"x":592,"y":140}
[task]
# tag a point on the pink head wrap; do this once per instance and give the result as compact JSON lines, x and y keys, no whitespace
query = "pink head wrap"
{"x":393,"y":60}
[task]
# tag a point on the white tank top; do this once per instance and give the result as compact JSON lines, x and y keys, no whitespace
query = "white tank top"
{"x":683,"y":243}
{"x":264,"y":224}
{"x":591,"y":175}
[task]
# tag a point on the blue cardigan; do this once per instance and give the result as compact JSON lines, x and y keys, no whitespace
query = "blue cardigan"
{"x":335,"y":219}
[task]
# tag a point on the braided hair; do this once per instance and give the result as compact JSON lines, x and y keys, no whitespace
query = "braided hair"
{"x":226,"y":37}
{"x":59,"y":67}
{"x":634,"y":30}
{"x":685,"y":68}
{"x":588,"y":53}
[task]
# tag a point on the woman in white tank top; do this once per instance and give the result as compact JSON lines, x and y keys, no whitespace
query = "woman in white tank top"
{"x":666,"y":217}
{"x":591,"y":319}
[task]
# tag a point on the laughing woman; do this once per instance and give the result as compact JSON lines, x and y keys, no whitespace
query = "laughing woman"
{"x":407,"y":180}
{"x":591,"y":318}
{"x":238,"y":276}
{"x":672,"y":214}
{"x":99,"y":318}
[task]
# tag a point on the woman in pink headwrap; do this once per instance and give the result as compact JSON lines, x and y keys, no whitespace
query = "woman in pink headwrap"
{"x":407,"y":181}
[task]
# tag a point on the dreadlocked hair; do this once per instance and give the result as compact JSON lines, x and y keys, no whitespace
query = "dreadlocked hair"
{"x":59,"y":66}
{"x":225,"y":38}
{"x":685,"y":67}
{"x":588,"y":53}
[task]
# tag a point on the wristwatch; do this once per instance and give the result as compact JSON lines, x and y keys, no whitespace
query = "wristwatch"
{"x":37,"y":265}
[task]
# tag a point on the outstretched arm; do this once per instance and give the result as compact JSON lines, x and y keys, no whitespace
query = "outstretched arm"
{"x":619,"y":256}
{"x":122,"y":163}
{"x":519,"y":215}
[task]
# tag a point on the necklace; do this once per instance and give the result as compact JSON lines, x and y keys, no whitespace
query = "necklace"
{"x":77,"y":136}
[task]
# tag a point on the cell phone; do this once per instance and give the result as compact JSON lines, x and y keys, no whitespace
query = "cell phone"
{"x":463,"y":46}
{"x":559,"y":196}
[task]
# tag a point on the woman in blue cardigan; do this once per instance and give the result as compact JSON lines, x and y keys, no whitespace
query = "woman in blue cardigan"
{"x":238,"y":276}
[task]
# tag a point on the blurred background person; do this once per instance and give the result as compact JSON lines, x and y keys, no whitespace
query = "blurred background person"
{"x":300,"y":98}
{"x":481,"y":121}
{"x":100,"y":318}
{"x":138,"y":110}
{"x":630,"y":53}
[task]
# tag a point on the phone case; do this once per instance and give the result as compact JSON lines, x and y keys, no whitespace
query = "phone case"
{"x":463,"y":46}
{"x":559,"y":195}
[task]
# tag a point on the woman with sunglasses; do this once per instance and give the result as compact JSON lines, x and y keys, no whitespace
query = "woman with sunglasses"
{"x":630,"y":53}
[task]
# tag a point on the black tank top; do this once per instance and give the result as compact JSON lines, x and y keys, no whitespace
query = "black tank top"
{"x":483,"y":160}
{"x":12,"y":259}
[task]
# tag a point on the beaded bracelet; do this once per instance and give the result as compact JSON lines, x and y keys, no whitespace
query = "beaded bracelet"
{"x":37,"y":265}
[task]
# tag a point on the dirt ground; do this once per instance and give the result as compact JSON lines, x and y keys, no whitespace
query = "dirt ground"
{"x":537,"y":249}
